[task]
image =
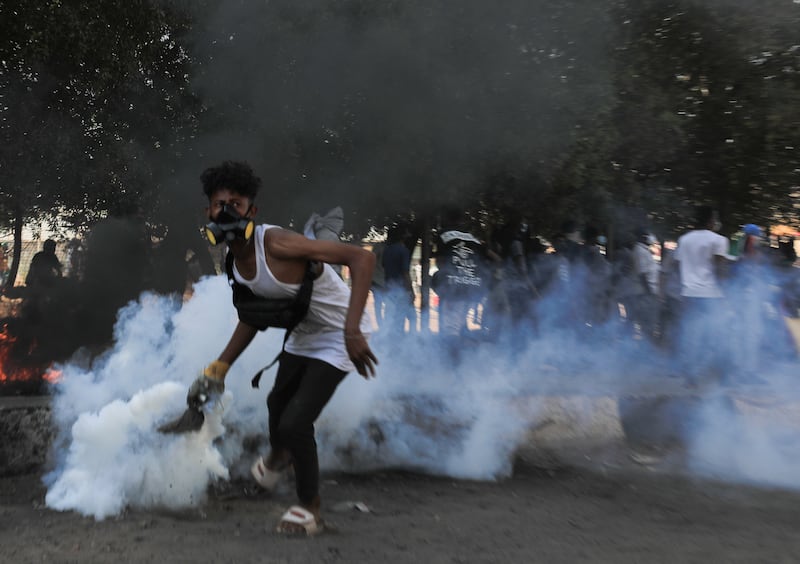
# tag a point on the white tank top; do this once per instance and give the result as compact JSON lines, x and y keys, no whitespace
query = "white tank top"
{"x":321,"y":334}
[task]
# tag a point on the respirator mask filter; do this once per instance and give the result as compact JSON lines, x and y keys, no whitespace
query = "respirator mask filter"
{"x":229,"y":225}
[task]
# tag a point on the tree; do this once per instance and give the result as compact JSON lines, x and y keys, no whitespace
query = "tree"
{"x":93,"y":92}
{"x":696,"y":118}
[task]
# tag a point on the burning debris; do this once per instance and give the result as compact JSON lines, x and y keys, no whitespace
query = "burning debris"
{"x":20,"y":371}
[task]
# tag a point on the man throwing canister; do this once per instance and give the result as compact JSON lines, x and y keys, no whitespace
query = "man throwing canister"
{"x":329,"y":342}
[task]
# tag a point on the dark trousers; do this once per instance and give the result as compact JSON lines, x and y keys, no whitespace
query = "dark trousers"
{"x":703,"y":346}
{"x":303,"y":386}
{"x":399,"y":307}
{"x":379,"y":299}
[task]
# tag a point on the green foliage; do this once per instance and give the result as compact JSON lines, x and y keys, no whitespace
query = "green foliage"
{"x":92,"y":91}
{"x":603,"y":112}
{"x":703,"y":115}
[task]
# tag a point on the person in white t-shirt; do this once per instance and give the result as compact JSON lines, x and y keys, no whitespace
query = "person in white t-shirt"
{"x":702,"y":255}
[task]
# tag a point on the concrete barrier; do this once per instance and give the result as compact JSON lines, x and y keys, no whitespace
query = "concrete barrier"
{"x":27,"y":432}
{"x":662,"y":421}
{"x":572,"y":419}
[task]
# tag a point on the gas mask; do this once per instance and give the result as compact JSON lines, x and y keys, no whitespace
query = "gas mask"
{"x":228,"y":226}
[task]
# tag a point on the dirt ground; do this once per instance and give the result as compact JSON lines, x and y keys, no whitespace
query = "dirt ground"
{"x":614,"y":512}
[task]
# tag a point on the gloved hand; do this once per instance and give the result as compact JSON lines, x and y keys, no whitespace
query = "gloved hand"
{"x":210,"y":384}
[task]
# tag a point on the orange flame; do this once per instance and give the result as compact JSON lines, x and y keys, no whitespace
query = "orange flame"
{"x":9,"y":373}
{"x":52,"y":375}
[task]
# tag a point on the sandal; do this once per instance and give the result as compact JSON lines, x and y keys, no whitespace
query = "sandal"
{"x":297,"y":515}
{"x":265,"y":477}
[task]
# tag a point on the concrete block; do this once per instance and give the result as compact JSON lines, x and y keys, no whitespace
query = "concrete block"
{"x":26,"y":431}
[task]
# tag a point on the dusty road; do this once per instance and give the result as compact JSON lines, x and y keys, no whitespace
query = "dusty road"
{"x":610,"y":513}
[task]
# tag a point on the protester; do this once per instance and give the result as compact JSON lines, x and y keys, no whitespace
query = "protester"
{"x":751,"y":242}
{"x":704,"y":260}
{"x":45,"y":268}
{"x":378,"y":286}
{"x":543,"y":268}
{"x":497,"y":307}
{"x":569,"y":242}
{"x":41,"y":283}
{"x":626,"y":284}
{"x":645,"y":271}
{"x":520,"y":289}
{"x":669,"y":297}
{"x":569,"y":311}
{"x":329,"y":342}
{"x":397,"y":275}
{"x":597,"y":297}
{"x":703,"y":257}
{"x":462,"y":280}
{"x":788,"y":277}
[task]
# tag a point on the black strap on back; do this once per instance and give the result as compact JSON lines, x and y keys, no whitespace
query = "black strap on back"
{"x":262,"y":313}
{"x":257,"y":377}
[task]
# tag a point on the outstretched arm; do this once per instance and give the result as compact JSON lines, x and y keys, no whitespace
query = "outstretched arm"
{"x":212,"y":381}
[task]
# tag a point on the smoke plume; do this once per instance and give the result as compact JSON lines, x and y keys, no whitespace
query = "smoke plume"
{"x":464,"y":415}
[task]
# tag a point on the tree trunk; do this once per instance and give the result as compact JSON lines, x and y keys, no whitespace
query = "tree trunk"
{"x":17,"y":252}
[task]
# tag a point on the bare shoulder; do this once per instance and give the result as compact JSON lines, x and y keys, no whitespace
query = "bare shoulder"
{"x":286,"y":244}
{"x":280,"y":235}
{"x":283,"y":244}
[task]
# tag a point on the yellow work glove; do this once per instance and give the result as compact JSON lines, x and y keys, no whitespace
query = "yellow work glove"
{"x":209,"y":385}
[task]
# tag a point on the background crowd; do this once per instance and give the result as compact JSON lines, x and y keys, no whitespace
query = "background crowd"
{"x":682,"y":298}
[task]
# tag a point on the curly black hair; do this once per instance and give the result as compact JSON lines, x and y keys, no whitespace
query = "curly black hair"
{"x":233,"y":175}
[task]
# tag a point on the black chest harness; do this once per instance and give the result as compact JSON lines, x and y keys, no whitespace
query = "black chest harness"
{"x":261,"y":313}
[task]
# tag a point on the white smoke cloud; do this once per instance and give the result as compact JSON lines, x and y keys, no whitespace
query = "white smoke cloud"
{"x":117,"y":459}
{"x":109,"y":453}
{"x":464,"y":418}
{"x":749,"y":439}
